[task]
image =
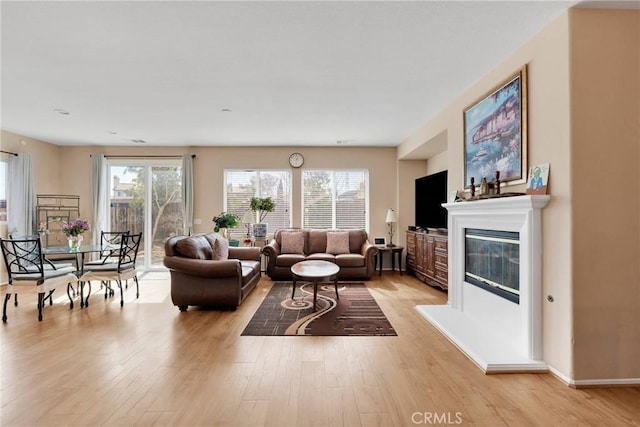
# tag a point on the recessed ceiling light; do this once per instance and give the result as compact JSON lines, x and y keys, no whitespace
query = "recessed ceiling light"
{"x":139,"y":141}
{"x":112,"y":132}
{"x":60,"y":111}
{"x":344,"y":141}
{"x":226,"y":110}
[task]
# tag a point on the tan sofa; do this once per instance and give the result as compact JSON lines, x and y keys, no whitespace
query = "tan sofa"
{"x":205,"y":271}
{"x":357,"y":261}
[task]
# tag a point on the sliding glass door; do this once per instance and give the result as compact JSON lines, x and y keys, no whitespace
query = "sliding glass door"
{"x":146,"y":196}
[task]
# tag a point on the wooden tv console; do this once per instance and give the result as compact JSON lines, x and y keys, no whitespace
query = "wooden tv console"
{"x":427,"y":257}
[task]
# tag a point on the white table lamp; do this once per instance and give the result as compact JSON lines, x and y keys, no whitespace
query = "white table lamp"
{"x":391,"y":219}
{"x":248,"y":219}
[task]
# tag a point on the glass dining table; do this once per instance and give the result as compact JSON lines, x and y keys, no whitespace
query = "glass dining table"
{"x":79,"y":253}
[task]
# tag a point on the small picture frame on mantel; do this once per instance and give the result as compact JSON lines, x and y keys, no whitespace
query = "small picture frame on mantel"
{"x":537,"y":179}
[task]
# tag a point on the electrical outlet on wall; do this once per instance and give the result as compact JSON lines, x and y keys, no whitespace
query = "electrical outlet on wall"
{"x":197,"y":221}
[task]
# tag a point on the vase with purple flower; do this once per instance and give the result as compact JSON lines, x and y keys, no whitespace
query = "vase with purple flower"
{"x":73,"y":230}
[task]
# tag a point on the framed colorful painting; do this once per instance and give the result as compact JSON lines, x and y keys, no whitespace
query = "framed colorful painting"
{"x":495,"y":133}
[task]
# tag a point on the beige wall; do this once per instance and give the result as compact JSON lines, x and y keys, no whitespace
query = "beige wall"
{"x":546,"y":56}
{"x":46,"y":166}
{"x":45,"y":158}
{"x":408,"y":171}
{"x":583,"y":92}
{"x":605,"y":116}
{"x":211,"y":162}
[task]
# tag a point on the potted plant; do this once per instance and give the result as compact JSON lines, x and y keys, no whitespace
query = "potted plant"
{"x":261,"y":205}
{"x":224,"y":221}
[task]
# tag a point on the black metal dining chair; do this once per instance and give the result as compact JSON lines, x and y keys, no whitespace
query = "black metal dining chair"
{"x":29,"y":273}
{"x":124,"y":268}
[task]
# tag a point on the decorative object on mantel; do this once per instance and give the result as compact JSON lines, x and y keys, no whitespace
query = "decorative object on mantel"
{"x":484,"y":187}
{"x":490,"y":196}
{"x":495,"y":136}
{"x":538,"y":179}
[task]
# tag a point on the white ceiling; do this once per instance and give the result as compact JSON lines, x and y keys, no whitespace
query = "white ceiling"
{"x":293,"y":73}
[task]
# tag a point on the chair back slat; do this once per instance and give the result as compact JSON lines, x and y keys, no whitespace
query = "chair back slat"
{"x":129,"y":246}
{"x":110,"y":245}
{"x":111,"y":239}
{"x":23,"y":256}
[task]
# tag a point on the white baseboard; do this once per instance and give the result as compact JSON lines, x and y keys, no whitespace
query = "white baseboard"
{"x":609,"y":382}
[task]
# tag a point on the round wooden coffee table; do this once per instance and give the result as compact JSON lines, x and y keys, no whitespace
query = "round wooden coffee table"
{"x":315,"y":272}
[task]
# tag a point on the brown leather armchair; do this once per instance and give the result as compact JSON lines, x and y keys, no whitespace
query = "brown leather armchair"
{"x":205,"y":271}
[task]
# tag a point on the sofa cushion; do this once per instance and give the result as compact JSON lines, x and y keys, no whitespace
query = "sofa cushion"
{"x":350,"y":260}
{"x":221,"y":249}
{"x":317,"y":241}
{"x":292,"y":242}
{"x":249,"y":270}
{"x":321,"y":257}
{"x":337,"y":242}
{"x":196,"y":247}
{"x":287,"y":260}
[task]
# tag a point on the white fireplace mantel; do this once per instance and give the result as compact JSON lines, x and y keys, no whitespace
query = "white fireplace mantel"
{"x":497,"y":334}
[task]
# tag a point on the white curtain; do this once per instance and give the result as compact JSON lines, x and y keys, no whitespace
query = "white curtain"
{"x":99,"y":195}
{"x":21,"y":196}
{"x":187,"y":193}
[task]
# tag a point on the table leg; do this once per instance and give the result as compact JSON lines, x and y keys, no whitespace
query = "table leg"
{"x":400,"y":262}
{"x":379,"y":258}
{"x":81,"y":284}
{"x":335,"y":282}
{"x":69,"y":294}
{"x":393,"y":262}
{"x":293,"y":291}
{"x":315,"y":294}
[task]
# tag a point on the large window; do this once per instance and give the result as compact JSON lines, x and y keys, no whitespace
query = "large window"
{"x":337,"y":199}
{"x":242,"y":185}
{"x":146,"y":196}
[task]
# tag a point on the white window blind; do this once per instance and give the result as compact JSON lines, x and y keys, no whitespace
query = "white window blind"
{"x":337,"y":199}
{"x":242,"y":185}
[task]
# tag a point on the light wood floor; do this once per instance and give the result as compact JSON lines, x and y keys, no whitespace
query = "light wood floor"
{"x":147,"y":363}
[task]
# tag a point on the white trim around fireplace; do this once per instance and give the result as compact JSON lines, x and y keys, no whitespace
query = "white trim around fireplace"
{"x":497,"y":334}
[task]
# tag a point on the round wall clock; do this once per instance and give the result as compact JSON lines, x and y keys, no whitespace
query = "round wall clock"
{"x":296,"y":160}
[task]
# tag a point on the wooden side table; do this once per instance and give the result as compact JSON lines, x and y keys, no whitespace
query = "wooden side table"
{"x":395,"y":251}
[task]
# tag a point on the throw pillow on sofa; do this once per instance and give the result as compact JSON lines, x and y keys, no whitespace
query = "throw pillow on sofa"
{"x":337,"y":242}
{"x":219,"y":246}
{"x":195,"y":247}
{"x":292,"y":242}
{"x":221,"y":250}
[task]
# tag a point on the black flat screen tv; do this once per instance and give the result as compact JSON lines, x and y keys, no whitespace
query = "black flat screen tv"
{"x":431,"y":192}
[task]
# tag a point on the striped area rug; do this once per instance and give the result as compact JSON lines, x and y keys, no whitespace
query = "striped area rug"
{"x":355,"y":313}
